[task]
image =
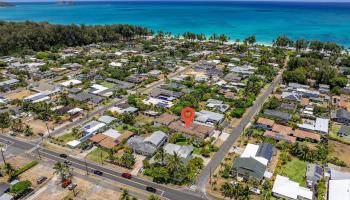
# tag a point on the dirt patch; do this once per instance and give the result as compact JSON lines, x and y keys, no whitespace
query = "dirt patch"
{"x":37,"y":171}
{"x":38,"y":126}
{"x":19,"y":94}
{"x":340,"y":150}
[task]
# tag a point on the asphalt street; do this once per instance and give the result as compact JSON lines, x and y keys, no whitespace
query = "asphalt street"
{"x":204,"y":176}
{"x":135,"y":182}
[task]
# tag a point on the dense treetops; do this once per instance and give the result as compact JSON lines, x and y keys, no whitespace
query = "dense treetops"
{"x":21,"y":36}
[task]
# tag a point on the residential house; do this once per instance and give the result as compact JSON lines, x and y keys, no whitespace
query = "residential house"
{"x":341,"y":116}
{"x":291,"y":96}
{"x":121,"y":84}
{"x":92,"y":127}
{"x":6,"y":85}
{"x":303,"y":135}
{"x":124,"y":108}
{"x":208,"y":117}
{"x":38,"y":97}
{"x":253,"y":161}
{"x":107,"y":119}
{"x":339,"y":189}
{"x":264,"y":123}
{"x":314,"y":173}
{"x":278,"y":115}
{"x":137,"y":79}
{"x":287,"y":189}
{"x":324,"y":89}
{"x":344,"y":132}
{"x":217,"y":105}
{"x":70,"y":83}
{"x":149,"y":145}
{"x":165,"y":119}
{"x":280,"y":132}
{"x":195,"y":129}
{"x":320,"y":125}
{"x":165,"y":94}
{"x":184,"y":152}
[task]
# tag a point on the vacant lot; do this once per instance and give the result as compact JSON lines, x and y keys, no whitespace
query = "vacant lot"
{"x":295,"y":170}
{"x":339,"y":150}
{"x":19,"y":94}
{"x":97,"y":155}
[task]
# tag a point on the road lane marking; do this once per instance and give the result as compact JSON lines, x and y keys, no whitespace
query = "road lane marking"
{"x":92,"y":168}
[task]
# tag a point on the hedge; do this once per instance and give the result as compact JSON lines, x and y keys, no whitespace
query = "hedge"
{"x":25,"y":167}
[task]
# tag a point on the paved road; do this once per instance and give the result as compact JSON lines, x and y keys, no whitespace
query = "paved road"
{"x":218,"y":157}
{"x":135,"y":182}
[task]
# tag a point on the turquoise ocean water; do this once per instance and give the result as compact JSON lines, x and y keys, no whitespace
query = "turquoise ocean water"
{"x":267,"y":20}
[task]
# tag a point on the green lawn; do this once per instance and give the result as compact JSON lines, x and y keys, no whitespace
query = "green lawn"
{"x":197,"y":150}
{"x":95,"y":155}
{"x":184,"y":143}
{"x":295,"y":170}
{"x":107,"y":84}
{"x":142,"y":119}
{"x":67,"y":137}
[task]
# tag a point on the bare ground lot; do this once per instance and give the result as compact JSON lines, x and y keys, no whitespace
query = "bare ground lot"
{"x":21,"y":94}
{"x":340,"y":150}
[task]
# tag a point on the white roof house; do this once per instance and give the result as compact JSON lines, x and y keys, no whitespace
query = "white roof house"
{"x":321,"y":125}
{"x":112,"y":133}
{"x":73,"y":143}
{"x":287,"y":189}
{"x":339,"y":189}
{"x":183,"y":151}
{"x":96,"y":88}
{"x":38,"y":97}
{"x":92,"y":127}
{"x":251,"y":151}
{"x":70,"y":82}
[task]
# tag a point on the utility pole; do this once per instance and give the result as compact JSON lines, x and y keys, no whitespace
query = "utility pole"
{"x":86,"y":167}
{"x":37,"y":149}
{"x":210,"y":181}
{"x":3,"y":157}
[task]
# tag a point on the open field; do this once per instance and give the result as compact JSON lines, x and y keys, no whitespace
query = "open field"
{"x":339,"y":150}
{"x":19,"y":94}
{"x":97,"y":154}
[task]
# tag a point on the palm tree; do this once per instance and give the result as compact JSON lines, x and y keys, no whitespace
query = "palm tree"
{"x":173,"y":162}
{"x":17,"y":125}
{"x":160,"y":155}
{"x":60,"y":168}
{"x":9,"y":170}
{"x":125,"y":195}
{"x":28,"y":131}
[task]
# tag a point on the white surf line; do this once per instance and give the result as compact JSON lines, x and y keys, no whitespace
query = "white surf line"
{"x":89,"y":167}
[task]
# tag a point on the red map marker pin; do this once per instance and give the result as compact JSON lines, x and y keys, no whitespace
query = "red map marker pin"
{"x":187,"y":115}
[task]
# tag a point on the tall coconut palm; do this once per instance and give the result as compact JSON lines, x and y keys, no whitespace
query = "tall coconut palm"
{"x":160,"y":156}
{"x":60,"y":168}
{"x":173,"y":163}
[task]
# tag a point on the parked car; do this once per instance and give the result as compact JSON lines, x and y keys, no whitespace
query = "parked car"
{"x":41,"y":179}
{"x":151,"y":189}
{"x":126,"y":175}
{"x":66,"y":182}
{"x":62,"y":155}
{"x":72,"y":186}
{"x":97,"y":172}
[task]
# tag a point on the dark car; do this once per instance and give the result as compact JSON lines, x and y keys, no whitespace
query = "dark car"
{"x":62,"y":155}
{"x":126,"y":175}
{"x":41,"y":179}
{"x":151,"y":189}
{"x":97,"y":172}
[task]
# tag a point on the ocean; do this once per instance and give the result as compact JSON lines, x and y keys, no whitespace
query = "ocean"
{"x":266,"y":20}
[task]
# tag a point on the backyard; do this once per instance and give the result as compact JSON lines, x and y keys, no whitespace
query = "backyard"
{"x":295,"y":170}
